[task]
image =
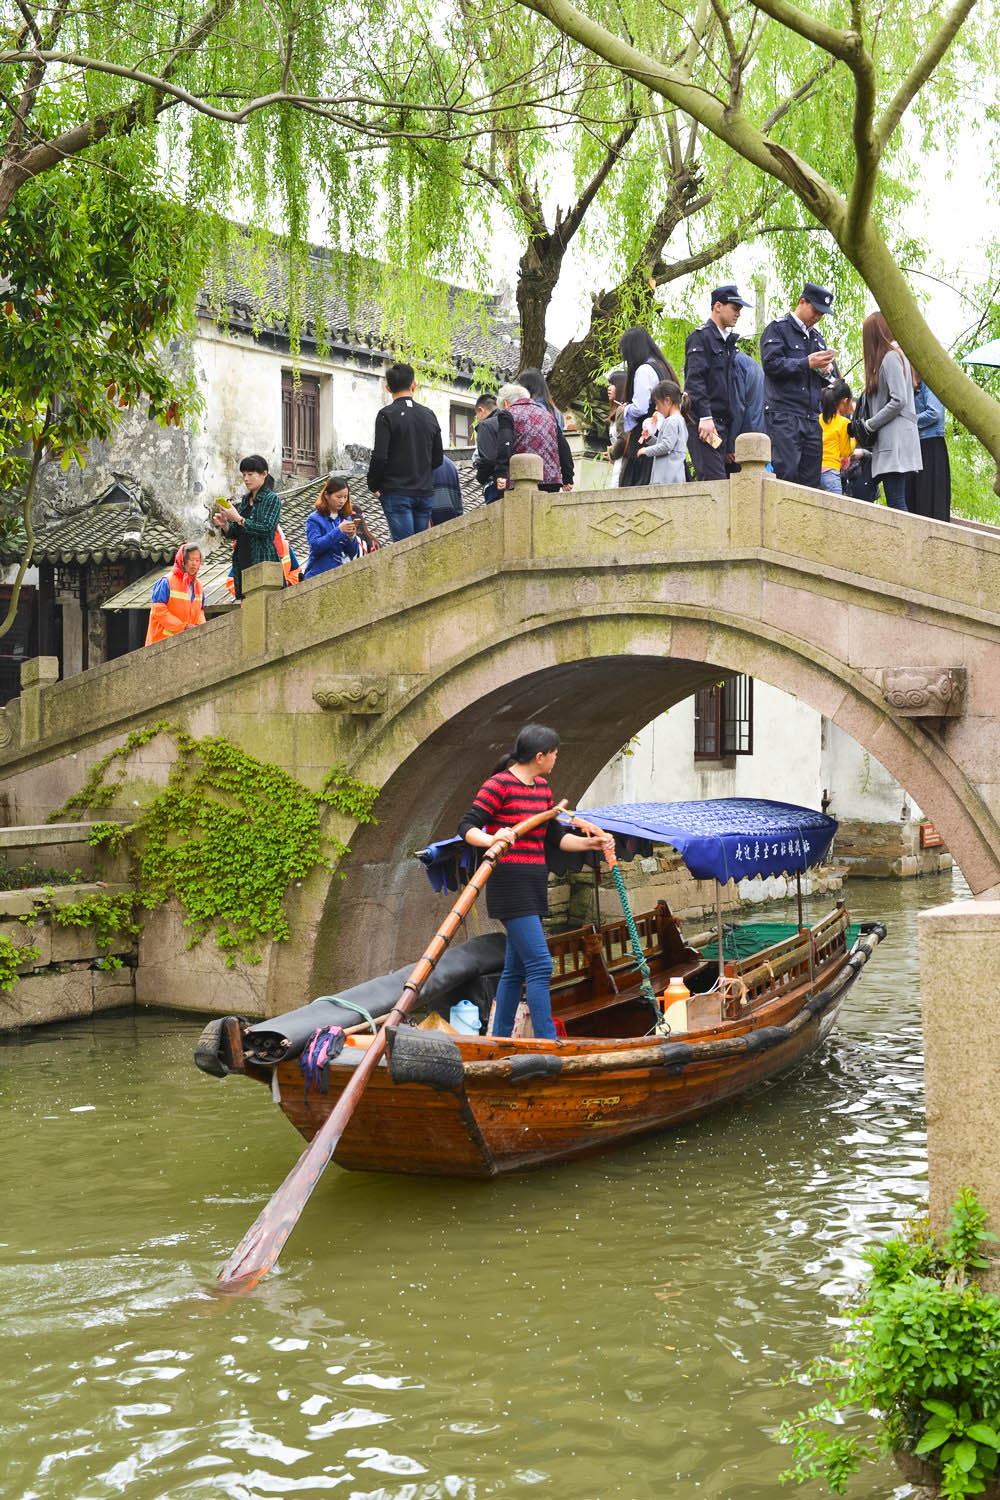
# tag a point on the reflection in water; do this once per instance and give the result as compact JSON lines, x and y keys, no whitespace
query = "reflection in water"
{"x":616,"y":1328}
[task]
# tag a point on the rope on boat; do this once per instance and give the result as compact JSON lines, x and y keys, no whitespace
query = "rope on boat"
{"x":645,"y":985}
{"x":351,"y":1005}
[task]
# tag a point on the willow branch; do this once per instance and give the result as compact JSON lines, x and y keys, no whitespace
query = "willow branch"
{"x":922,"y":70}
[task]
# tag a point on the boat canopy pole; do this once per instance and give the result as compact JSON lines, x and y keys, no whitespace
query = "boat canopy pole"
{"x":645,"y":982}
{"x":718,"y":921}
{"x":798,"y":892}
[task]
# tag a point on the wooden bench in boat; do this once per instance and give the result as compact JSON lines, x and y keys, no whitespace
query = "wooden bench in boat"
{"x":594,"y":969}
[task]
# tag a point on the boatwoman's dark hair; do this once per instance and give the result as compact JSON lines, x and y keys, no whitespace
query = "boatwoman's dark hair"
{"x":532,"y":740}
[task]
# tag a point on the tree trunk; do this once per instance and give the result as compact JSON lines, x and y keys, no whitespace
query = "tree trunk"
{"x":538,"y":272}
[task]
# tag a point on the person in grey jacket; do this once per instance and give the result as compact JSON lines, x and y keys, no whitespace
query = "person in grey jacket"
{"x":892,"y":419}
{"x":668,"y":444}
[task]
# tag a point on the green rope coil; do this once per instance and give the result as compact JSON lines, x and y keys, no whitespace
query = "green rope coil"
{"x":645,"y":986}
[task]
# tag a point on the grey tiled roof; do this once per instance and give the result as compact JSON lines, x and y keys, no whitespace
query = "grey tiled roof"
{"x":253,"y":296}
{"x":116,"y":529}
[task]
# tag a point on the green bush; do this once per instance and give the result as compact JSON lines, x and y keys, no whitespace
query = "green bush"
{"x":922,"y":1351}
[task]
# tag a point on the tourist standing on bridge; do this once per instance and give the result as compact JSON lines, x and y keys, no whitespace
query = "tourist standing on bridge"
{"x":446,"y":501}
{"x":331,"y":528}
{"x":252,"y":523}
{"x":177,"y":600}
{"x":536,"y":431}
{"x":797,"y":368}
{"x":708,"y":379}
{"x":891,"y":419}
{"x":406,"y":451}
{"x":929,"y":492}
{"x":517,"y":891}
{"x":645,"y":366}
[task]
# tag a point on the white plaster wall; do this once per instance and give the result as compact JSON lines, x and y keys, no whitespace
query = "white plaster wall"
{"x":786,"y":764}
{"x":858,"y":785}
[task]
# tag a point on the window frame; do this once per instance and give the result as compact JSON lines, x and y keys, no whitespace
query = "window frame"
{"x":723,"y":719}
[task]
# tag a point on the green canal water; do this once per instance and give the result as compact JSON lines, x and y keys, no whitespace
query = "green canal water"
{"x":618,"y":1328}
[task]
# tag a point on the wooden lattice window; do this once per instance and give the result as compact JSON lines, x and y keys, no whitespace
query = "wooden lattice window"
{"x":723,"y":719}
{"x":299,"y":424}
{"x":462,"y":421}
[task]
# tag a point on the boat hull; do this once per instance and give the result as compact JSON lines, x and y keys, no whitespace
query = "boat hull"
{"x":602,"y":1097}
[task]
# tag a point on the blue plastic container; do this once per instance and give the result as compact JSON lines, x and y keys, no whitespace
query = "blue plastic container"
{"x":465,"y":1017}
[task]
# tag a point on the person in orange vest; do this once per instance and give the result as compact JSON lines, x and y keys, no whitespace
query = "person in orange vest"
{"x":286,"y":556}
{"x":177,"y":598}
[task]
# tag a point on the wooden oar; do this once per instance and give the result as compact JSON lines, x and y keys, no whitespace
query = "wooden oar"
{"x":263,"y":1242}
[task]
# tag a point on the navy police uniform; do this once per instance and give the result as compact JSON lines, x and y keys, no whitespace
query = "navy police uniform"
{"x":792,"y":392}
{"x":708,"y":381}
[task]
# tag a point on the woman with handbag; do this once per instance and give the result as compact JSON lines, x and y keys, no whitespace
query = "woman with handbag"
{"x":891,"y":422}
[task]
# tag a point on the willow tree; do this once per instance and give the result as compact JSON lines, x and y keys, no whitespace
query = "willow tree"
{"x":915,"y":62}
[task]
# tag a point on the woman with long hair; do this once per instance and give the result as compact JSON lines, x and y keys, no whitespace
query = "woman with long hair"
{"x":250,"y":525}
{"x":517,"y":891}
{"x":616,"y":423}
{"x":537,"y":387}
{"x":332,"y":528}
{"x":645,"y":366}
{"x":892,"y":416}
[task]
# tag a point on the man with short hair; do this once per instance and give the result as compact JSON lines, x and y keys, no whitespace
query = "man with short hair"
{"x":797,"y":368}
{"x":708,"y":380}
{"x":494,"y":446}
{"x":406,"y":451}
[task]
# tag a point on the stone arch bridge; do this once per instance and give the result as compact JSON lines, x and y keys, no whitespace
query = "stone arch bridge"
{"x":592,"y":610}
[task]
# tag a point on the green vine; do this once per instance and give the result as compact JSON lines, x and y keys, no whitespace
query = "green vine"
{"x":227,"y":836}
{"x":12,"y":957}
{"x":110,"y":916}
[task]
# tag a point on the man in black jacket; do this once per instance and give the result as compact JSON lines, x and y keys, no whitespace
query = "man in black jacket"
{"x":708,"y":380}
{"x":406,"y":452}
{"x":797,"y":367}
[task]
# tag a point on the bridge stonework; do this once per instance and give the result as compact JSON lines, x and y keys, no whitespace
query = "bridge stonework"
{"x":593,"y":611}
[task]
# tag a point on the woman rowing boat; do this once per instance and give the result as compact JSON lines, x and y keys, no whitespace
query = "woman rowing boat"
{"x":517,"y":894}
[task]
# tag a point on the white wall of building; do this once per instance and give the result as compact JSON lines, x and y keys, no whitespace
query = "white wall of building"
{"x":798,"y":756}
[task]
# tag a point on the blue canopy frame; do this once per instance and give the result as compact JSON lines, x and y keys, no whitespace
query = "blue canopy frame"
{"x":723,"y":838}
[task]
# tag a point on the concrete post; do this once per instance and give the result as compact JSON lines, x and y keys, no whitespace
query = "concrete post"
{"x":36,"y":675}
{"x":525,"y":475}
{"x":746,"y":490}
{"x":960,"y":996}
{"x":259,"y":582}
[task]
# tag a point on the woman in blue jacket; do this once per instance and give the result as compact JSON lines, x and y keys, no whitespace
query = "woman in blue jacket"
{"x":332,"y":528}
{"x":929,"y":492}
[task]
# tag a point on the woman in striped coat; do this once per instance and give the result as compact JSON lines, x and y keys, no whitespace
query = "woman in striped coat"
{"x":517,"y":891}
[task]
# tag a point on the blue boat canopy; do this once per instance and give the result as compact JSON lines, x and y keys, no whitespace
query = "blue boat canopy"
{"x":724,"y":838}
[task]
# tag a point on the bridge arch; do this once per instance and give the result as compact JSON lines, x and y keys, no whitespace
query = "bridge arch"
{"x":598,"y":680}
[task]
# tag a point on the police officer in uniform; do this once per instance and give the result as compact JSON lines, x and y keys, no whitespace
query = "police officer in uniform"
{"x":797,"y":367}
{"x":708,"y":380}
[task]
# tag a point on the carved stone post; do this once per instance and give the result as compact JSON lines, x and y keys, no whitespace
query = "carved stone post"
{"x":259,"y":582}
{"x":746,"y":490}
{"x":525,"y":475}
{"x":960,"y":1000}
{"x":36,"y":676}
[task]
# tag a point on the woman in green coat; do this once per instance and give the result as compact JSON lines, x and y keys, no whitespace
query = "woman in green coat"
{"x":252,"y":523}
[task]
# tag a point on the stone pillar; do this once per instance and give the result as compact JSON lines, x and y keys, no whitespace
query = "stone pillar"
{"x":526,"y":471}
{"x":36,"y":675}
{"x":525,"y":474}
{"x":746,"y":490}
{"x":259,"y":583}
{"x":960,"y":996}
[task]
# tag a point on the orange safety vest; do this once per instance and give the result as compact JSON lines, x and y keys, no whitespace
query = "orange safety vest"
{"x":292,"y":575}
{"x":180,"y":610}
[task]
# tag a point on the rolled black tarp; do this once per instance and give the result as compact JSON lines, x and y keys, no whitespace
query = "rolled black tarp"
{"x":458,"y":969}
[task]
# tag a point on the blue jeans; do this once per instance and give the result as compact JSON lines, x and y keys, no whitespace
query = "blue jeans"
{"x":894,"y":489}
{"x":528,"y":963}
{"x":406,"y":514}
{"x":829,"y":481}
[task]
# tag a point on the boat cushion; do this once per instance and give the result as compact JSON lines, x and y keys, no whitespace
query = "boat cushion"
{"x":458,"y":968}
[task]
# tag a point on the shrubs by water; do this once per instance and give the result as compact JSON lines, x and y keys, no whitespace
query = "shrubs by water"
{"x":921,"y":1352}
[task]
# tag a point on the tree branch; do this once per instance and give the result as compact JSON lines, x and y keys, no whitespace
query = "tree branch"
{"x":922,"y":70}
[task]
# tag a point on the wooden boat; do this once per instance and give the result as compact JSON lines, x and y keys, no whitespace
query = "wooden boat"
{"x":449,"y":1104}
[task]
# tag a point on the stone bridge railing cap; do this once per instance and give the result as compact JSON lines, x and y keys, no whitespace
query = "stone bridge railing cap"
{"x":753,"y":447}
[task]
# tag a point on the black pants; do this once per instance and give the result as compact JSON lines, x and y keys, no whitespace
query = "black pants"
{"x":796,"y":445}
{"x":708,"y":462}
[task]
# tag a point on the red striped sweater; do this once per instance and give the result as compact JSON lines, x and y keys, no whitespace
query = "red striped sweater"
{"x":518,"y":886}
